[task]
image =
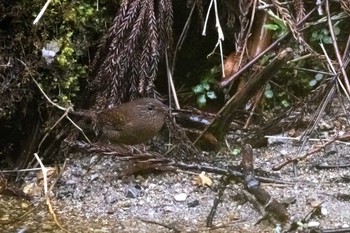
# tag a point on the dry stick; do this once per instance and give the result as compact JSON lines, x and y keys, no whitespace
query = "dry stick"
{"x":308,"y":153}
{"x":67,"y":110}
{"x":317,"y":115}
{"x":308,"y":70}
{"x":21,"y":170}
{"x":59,"y":175}
{"x":333,"y":70}
{"x":170,"y":72}
{"x":252,"y":185}
{"x":245,"y":39}
{"x":225,"y":82}
{"x":224,"y":181}
{"x":327,"y":98}
{"x":6,"y":222}
{"x":48,"y":99}
{"x":170,"y":226}
{"x":247,"y":88}
{"x":255,"y":106}
{"x":325,"y":101}
{"x":244,"y":68}
{"x":42,"y":11}
{"x":346,"y":59}
{"x":339,"y":16}
{"x":44,"y":170}
{"x":162,"y":160}
{"x":235,"y":75}
{"x":51,"y":128}
{"x":248,"y":31}
{"x":219,"y":31}
{"x":182,"y":37}
{"x":346,"y":50}
{"x":47,"y":134}
{"x":335,"y":45}
{"x":171,"y":83}
{"x":47,"y":196}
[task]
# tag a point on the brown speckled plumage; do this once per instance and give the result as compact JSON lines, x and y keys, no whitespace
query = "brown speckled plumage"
{"x":129,"y":123}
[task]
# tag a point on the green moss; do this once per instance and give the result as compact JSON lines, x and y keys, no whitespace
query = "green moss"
{"x":76,"y":26}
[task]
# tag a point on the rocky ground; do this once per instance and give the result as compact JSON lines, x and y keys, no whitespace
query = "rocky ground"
{"x":89,"y":196}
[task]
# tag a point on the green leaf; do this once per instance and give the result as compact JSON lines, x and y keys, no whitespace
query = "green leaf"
{"x":285,"y":103}
{"x":272,"y":27}
{"x":214,"y":70}
{"x":312,"y":82}
{"x":318,"y":76}
{"x":268,"y":86}
{"x":336,"y":30}
{"x":201,"y":100}
{"x":314,"y":35}
{"x":211,"y":95}
{"x":236,"y":151}
{"x":324,"y":31}
{"x":269,"y":94}
{"x":327,"y":40}
{"x":206,"y":86}
{"x":277,"y":20}
{"x":198,"y":89}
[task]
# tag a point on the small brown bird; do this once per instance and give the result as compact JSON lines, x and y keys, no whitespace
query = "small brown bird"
{"x":130,"y":123}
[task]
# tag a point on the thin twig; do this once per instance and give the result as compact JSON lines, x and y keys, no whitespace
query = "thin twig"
{"x":46,"y":193}
{"x":67,"y":110}
{"x":309,"y":152}
{"x":48,"y":99}
{"x":80,"y":129}
{"x":227,"y":81}
{"x":44,"y":171}
{"x":170,"y":72}
{"x":252,"y":17}
{"x":167,"y":226}
{"x":219,"y":30}
{"x":333,"y":70}
{"x":51,"y":128}
{"x":59,"y":175}
{"x":41,"y":13}
{"x":171,"y":82}
{"x":336,"y":49}
{"x":346,"y":50}
{"x":182,"y":37}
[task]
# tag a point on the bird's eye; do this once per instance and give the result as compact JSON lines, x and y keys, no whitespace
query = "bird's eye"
{"x":150,"y":107}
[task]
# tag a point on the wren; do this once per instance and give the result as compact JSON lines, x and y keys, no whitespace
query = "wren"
{"x":129,"y":123}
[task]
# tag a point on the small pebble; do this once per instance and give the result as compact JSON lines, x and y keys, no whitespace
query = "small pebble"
{"x":313,"y":224}
{"x":180,"y":197}
{"x":169,"y":209}
{"x":111,"y":198}
{"x":324,"y":210}
{"x":193,"y":203}
{"x":133,"y":192}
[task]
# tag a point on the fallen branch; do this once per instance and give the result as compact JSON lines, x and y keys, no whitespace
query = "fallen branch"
{"x":306,"y":154}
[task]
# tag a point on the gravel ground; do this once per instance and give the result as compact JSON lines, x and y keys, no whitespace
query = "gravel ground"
{"x":89,"y":196}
